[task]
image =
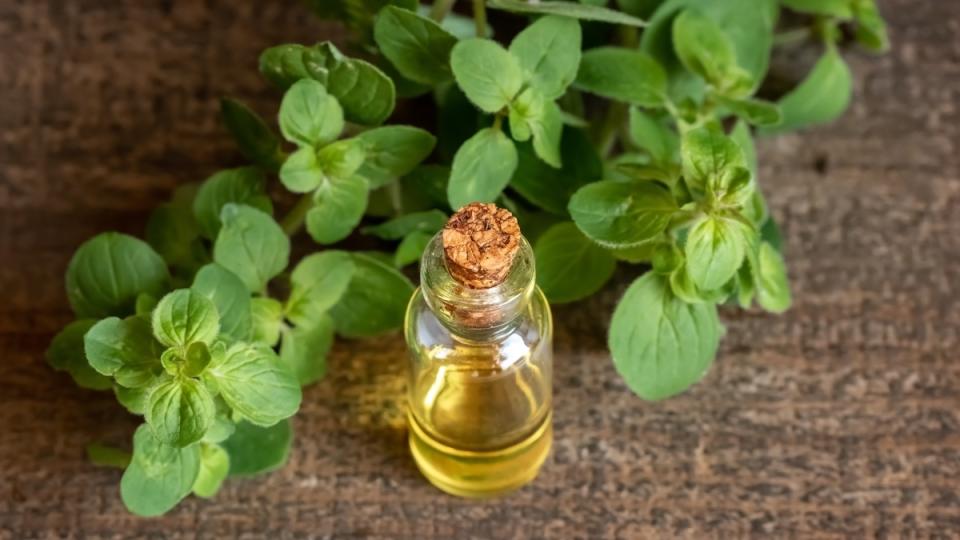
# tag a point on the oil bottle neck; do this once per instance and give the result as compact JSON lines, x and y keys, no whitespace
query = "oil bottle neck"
{"x":477,"y":313}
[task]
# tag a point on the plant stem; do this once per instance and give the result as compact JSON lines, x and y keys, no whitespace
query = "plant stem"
{"x":396,"y":196}
{"x":292,"y":222}
{"x":440,"y":9}
{"x":480,"y":17}
{"x":791,"y":37}
{"x":610,"y":127}
{"x":628,"y":36}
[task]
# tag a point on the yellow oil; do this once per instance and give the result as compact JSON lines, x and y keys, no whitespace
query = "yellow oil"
{"x":477,"y":428}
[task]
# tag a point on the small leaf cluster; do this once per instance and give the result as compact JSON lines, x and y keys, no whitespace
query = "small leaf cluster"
{"x":616,"y":134}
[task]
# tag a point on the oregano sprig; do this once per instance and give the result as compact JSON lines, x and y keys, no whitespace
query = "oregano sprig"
{"x":638,"y":149}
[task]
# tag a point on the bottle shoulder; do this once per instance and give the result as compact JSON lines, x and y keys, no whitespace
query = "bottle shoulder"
{"x":530,"y":336}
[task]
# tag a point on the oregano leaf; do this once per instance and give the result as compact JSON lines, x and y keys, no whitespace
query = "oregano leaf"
{"x":569,"y":265}
{"x":251,"y":245}
{"x":488,"y":74}
{"x":481,"y":169}
{"x":660,"y":344}
{"x":418,"y":47}
{"x":184,"y":317}
{"x":548,"y":51}
{"x":109,"y":271}
{"x":309,"y":116}
{"x":243,"y":185}
{"x":622,"y":214}
{"x":179,"y":411}
{"x":159,"y":475}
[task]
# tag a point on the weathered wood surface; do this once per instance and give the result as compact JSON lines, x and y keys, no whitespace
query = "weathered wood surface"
{"x":839,"y":419}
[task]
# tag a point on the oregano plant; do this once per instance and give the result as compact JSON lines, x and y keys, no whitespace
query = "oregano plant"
{"x":617,"y":134}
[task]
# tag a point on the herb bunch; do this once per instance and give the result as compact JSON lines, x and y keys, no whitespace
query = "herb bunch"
{"x":610,"y":144}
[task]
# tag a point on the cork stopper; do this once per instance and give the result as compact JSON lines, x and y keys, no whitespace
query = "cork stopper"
{"x":480,"y":242}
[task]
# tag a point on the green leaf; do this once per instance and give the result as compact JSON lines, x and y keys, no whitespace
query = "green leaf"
{"x":740,"y":134}
{"x":342,"y":158}
{"x":339,"y":207}
{"x":107,"y":273}
{"x":622,"y":214}
{"x":222,"y":427}
{"x":430,"y":181}
{"x":255,"y":384}
{"x":184,"y":317}
{"x":132,"y":399}
{"x":623,"y":74}
{"x":66,"y":353}
{"x":570,"y":266}
{"x":214,"y":466}
{"x":428,"y":221}
{"x":660,"y":344}
{"x":715,"y":249}
{"x":546,"y":130}
{"x":488,"y":74}
{"x":667,"y":257}
{"x":705,"y":50}
{"x":574,"y":10}
{"x":124,"y":349}
{"x":548,"y":51}
{"x":251,"y":245}
{"x":230,"y":297}
{"x":411,"y":248}
{"x":107,"y":456}
{"x":820,"y":98}
{"x":179,"y":411}
{"x":284,"y":64}
{"x":366,"y":94}
{"x":304,"y":349}
{"x":309,"y":116}
{"x":871,"y":29}
{"x":482,"y":168}
{"x":244,"y":185}
{"x":255,"y":450}
{"x":267,"y":317}
{"x":651,"y":134}
{"x":770,"y":232}
{"x":375,"y":301}
{"x":417,"y":46}
{"x":393,"y":151}
{"x":832,"y":8}
{"x":709,"y":158}
{"x":174,"y":233}
{"x":197,"y":359}
{"x":756,"y":111}
{"x":301,"y":172}
{"x":159,"y":475}
{"x":316,"y":284}
{"x":773,"y":288}
{"x":550,"y":188}
{"x":748,"y":24}
{"x":256,"y":140}
{"x":641,"y":253}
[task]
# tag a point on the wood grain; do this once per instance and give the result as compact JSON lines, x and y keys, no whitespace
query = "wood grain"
{"x":838,"y":419}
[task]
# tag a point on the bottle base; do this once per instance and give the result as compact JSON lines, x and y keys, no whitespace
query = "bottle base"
{"x":483,"y":474}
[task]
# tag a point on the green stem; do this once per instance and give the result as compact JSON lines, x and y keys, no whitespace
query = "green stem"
{"x":610,"y":128}
{"x":440,"y":9}
{"x":791,"y":37}
{"x":628,"y":36}
{"x":480,"y":17}
{"x":107,"y":456}
{"x":292,"y":222}
{"x":396,"y":196}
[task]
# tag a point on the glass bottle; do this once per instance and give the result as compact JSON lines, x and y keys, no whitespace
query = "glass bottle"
{"x":480,"y":378}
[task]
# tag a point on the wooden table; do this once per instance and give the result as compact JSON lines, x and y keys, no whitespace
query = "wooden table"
{"x":839,"y":419}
